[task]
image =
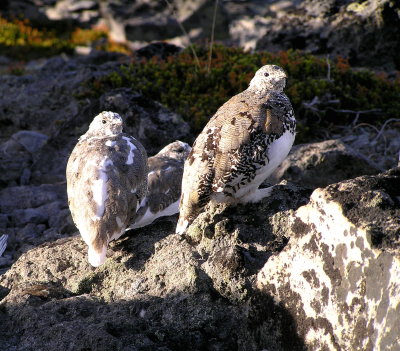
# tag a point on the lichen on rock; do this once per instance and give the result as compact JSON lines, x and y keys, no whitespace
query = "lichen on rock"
{"x":339,"y":274}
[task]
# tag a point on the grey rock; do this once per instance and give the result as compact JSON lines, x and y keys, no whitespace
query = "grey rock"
{"x":29,"y":140}
{"x":347,"y":28}
{"x":156,"y":290}
{"x":26,"y":197}
{"x":320,"y":164}
{"x":145,"y":21}
{"x":30,"y":215}
{"x":29,"y":233}
{"x":12,"y":168}
{"x":148,"y":121}
{"x":382,"y":148}
{"x":28,"y":211}
{"x":4,"y":220}
{"x":339,"y":274}
{"x":336,"y":27}
{"x":42,"y":101}
{"x":331,"y":262}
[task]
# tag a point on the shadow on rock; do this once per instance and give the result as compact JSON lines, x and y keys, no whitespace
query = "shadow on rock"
{"x":156,"y":290}
{"x":175,"y":322}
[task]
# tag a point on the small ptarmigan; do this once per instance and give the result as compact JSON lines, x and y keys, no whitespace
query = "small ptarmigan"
{"x":241,"y":145}
{"x":164,"y":184}
{"x":106,"y":181}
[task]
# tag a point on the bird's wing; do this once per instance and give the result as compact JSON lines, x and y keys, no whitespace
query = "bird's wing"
{"x":105,"y":181}
{"x":211,"y":158}
{"x":243,"y":145}
{"x":232,"y":145}
{"x":164,"y":184}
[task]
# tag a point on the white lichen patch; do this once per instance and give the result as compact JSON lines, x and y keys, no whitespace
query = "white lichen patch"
{"x":330,"y":273}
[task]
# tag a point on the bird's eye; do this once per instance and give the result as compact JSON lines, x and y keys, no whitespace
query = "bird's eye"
{"x":104,"y":121}
{"x":266,"y":74}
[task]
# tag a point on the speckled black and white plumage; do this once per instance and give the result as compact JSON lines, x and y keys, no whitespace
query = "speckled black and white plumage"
{"x":164,"y":184}
{"x":106,"y":181}
{"x":241,"y":145}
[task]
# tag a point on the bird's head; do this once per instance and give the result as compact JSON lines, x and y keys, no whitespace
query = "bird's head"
{"x":268,"y":78}
{"x":177,"y":150}
{"x":106,"y":124}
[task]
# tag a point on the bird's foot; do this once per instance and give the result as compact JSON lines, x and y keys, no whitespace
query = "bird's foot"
{"x":96,"y":258}
{"x":182,"y":225}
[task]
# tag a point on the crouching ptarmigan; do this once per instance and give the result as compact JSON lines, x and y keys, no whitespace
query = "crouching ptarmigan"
{"x":164,"y":184}
{"x":241,"y":145}
{"x":106,"y":181}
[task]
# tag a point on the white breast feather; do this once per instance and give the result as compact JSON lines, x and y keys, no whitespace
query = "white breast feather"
{"x":99,"y":188}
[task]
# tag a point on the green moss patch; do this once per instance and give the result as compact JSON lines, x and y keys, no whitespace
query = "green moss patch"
{"x":323,"y":93}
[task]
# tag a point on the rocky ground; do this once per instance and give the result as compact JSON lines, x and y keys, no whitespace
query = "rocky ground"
{"x":315,"y":266}
{"x":364,"y":31}
{"x":218,"y":288}
{"x":326,"y":261}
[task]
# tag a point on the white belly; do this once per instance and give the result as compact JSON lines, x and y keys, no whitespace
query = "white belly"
{"x":277,"y":152}
{"x":149,"y":217}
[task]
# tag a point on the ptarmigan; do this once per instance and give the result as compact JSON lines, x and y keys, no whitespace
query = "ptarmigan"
{"x":241,"y":145}
{"x":164,"y":184}
{"x":106,"y":181}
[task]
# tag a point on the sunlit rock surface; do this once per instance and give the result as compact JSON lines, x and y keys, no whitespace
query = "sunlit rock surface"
{"x":339,"y":275}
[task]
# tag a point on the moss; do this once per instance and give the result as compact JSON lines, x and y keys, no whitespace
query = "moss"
{"x":196,"y":93}
{"x":20,"y":40}
{"x":86,"y":285}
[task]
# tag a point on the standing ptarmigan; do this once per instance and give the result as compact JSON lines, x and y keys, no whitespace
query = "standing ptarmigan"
{"x":241,"y":145}
{"x":106,"y":181}
{"x":164,"y":184}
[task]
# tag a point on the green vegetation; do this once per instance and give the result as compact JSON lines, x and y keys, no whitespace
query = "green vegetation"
{"x":195,"y":93}
{"x":18,"y":39}
{"x":324,"y":93}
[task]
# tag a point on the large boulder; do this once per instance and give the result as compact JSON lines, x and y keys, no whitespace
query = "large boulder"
{"x":283,"y":274}
{"x":346,"y":28}
{"x":339,"y":275}
{"x":157,"y":290}
{"x":319,"y":164}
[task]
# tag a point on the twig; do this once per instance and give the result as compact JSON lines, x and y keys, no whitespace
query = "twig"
{"x":357,"y":113}
{"x":212,"y":36}
{"x":184,"y":32}
{"x":328,"y":75}
{"x":355,"y":120}
{"x":380,"y":132}
{"x":367,"y":125}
